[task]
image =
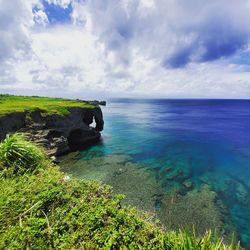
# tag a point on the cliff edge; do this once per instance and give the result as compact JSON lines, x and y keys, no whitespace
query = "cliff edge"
{"x":58,"y":132}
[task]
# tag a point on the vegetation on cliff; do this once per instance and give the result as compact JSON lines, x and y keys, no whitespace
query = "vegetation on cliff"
{"x":11,"y":103}
{"x":41,"y":208}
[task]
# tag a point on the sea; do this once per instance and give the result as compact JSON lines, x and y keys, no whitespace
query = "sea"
{"x":185,"y":162}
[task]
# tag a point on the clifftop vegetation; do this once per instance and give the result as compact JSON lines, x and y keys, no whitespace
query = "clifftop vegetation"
{"x":11,"y":103}
{"x":41,"y":208}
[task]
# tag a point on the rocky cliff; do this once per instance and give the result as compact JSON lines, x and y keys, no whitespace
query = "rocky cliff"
{"x":57,"y":133}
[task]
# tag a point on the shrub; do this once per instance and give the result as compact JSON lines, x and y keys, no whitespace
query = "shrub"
{"x":18,"y":155}
{"x":41,"y":209}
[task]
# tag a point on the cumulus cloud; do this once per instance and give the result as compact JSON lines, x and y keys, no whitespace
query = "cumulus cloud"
{"x":160,"y":48}
{"x":15,"y":22}
{"x":79,"y":64}
{"x":62,"y":3}
{"x":176,"y":32}
{"x":40,"y":17}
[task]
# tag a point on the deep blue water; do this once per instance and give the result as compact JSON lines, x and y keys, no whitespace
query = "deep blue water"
{"x":208,"y":140}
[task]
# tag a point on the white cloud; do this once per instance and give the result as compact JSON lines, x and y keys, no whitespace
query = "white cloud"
{"x":62,"y":3}
{"x":64,"y":59}
{"x":15,"y":22}
{"x":126,"y":48}
{"x":40,"y":18}
{"x":176,"y":32}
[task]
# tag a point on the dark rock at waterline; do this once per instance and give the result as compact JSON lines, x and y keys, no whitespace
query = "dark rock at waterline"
{"x":58,"y":134}
{"x":79,"y":138}
{"x":94,"y":102}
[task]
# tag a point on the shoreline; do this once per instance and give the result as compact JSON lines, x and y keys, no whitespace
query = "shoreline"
{"x":122,"y":171}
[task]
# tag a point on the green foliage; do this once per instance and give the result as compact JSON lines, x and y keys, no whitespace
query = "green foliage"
{"x":11,"y":103}
{"x":183,"y":240}
{"x":46,"y":210}
{"x":18,"y":155}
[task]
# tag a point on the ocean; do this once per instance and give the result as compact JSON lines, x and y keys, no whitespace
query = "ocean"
{"x":186,"y":162}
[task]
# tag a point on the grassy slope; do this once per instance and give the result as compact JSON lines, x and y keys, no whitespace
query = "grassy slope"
{"x":11,"y":103}
{"x":41,"y":209}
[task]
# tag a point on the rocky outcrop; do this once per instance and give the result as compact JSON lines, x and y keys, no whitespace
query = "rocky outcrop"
{"x":11,"y":123}
{"x":95,"y":102}
{"x":58,"y":134}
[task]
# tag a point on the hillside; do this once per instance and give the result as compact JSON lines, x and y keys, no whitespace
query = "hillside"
{"x":42,"y":208}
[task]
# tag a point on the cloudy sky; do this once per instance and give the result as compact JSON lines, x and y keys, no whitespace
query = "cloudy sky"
{"x":125,"y":48}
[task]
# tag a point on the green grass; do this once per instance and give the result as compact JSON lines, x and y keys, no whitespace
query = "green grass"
{"x":42,"y":209}
{"x":18,"y":155}
{"x":11,"y":103}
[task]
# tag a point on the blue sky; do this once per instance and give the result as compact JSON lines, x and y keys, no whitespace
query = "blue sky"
{"x":57,"y":14}
{"x":133,"y":48}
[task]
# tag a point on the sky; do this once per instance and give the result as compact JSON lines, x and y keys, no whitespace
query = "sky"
{"x":125,"y":48}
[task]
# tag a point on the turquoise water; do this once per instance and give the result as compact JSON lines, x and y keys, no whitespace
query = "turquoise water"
{"x":185,"y":161}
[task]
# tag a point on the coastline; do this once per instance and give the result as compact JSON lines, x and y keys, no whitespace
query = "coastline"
{"x":119,"y":171}
{"x":59,"y":133}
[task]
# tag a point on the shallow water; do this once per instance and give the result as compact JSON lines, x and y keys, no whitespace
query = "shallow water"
{"x":185,"y":161}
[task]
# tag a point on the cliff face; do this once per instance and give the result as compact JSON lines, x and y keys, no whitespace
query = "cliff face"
{"x":58,"y":134}
{"x":11,"y":122}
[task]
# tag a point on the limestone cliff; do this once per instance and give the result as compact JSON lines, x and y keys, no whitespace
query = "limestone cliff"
{"x":58,"y":134}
